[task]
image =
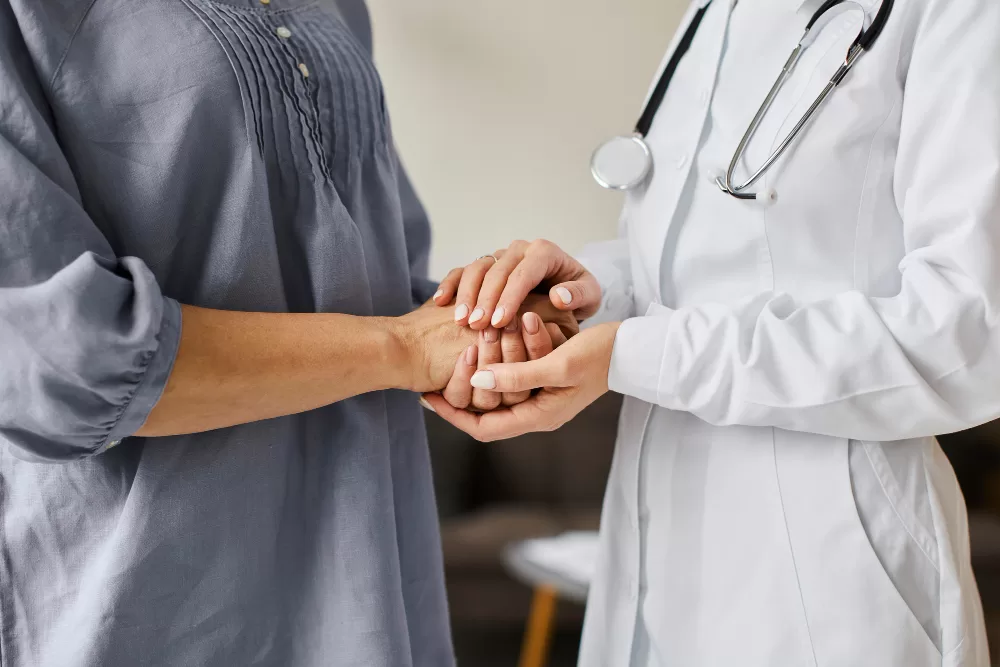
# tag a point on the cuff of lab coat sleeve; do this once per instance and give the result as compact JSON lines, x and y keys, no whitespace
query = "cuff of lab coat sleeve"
{"x":616,"y":295}
{"x":638,"y":356}
{"x":154,"y":379}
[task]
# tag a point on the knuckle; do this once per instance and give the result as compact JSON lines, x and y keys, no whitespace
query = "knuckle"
{"x":487,"y":402}
{"x":542,"y":246}
{"x":513,"y":351}
{"x":513,"y":398}
{"x":535,"y":347}
{"x":536,"y":246}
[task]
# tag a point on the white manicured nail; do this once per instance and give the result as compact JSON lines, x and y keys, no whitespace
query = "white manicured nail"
{"x":564,"y":295}
{"x":461,"y":312}
{"x":476,"y":315}
{"x":437,"y":295}
{"x":423,"y":402}
{"x":498,"y":315}
{"x":484,"y":380}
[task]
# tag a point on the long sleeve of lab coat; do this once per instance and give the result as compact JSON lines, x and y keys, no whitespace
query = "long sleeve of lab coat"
{"x":923,"y":362}
{"x":610,"y":264}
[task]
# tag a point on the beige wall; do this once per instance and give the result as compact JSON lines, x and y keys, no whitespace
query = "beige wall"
{"x":497,"y":106}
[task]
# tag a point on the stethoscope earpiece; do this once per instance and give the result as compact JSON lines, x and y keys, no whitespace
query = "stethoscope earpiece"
{"x":767,"y":197}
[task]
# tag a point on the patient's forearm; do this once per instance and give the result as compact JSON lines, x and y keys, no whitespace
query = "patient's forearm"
{"x":234,"y":368}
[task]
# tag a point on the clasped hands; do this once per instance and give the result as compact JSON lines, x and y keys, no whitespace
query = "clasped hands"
{"x":530,"y":368}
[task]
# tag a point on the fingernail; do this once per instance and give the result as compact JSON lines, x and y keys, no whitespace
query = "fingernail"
{"x":428,"y":406}
{"x":476,"y":315}
{"x":471,"y":355}
{"x":437,"y":295}
{"x":461,"y":312}
{"x":512,"y":327}
{"x":531,"y":323}
{"x":490,"y":335}
{"x":484,"y":380}
{"x":498,"y":315}
{"x":564,"y":295}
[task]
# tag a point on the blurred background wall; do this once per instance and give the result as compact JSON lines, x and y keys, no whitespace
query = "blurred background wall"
{"x":497,"y":106}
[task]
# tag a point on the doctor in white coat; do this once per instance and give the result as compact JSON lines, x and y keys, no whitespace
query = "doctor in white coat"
{"x":777,"y":497}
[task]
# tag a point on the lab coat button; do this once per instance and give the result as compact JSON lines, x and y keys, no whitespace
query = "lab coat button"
{"x":713,"y":175}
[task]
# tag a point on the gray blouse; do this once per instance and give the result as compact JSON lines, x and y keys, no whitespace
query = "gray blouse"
{"x":231,"y":154}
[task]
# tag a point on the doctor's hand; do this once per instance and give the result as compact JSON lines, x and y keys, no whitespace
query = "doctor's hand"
{"x":571,"y":378}
{"x":491,"y":290}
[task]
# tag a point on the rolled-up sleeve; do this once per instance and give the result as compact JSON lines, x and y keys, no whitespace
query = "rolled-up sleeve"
{"x":87,"y":340}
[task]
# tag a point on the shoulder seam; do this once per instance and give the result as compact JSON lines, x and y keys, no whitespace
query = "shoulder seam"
{"x":72,"y":40}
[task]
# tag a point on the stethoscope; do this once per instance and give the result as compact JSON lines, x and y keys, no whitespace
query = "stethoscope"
{"x":625,"y":162}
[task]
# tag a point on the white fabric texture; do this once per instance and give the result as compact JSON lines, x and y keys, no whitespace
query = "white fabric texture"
{"x":777,"y":495}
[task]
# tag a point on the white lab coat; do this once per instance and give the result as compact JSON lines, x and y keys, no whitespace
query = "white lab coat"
{"x":777,"y":496}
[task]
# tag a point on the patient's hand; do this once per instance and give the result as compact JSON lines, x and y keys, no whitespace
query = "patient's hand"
{"x":526,"y":338}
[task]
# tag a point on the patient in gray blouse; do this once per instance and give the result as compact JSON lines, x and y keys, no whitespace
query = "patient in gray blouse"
{"x":242,"y":479}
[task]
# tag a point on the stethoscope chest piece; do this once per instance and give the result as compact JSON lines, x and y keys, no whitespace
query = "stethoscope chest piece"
{"x":622,"y":163}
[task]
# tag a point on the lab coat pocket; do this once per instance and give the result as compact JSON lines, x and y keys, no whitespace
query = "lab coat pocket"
{"x":891,"y":498}
{"x":856,"y":613}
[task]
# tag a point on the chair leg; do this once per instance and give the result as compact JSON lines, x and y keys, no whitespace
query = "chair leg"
{"x":538,"y":634}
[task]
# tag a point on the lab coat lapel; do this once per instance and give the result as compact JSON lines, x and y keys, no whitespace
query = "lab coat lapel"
{"x":654,"y":229}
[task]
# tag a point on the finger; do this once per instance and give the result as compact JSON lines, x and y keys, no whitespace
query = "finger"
{"x":448,"y":287}
{"x":527,"y":275}
{"x":494,"y":283}
{"x":490,"y":352}
{"x":537,"y":338}
{"x":545,"y":372}
{"x":468,"y":290}
{"x":497,"y":425}
{"x":582,"y":296}
{"x":556,"y":334}
{"x":514,"y":351}
{"x":459,"y":390}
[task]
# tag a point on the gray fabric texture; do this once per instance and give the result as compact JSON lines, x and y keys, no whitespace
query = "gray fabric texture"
{"x":157,"y":152}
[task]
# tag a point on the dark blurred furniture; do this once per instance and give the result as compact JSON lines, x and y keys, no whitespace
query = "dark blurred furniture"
{"x":492,"y":495}
{"x":975,"y":455}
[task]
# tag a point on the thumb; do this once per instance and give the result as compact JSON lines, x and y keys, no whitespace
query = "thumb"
{"x":522,"y":376}
{"x":582,"y":296}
